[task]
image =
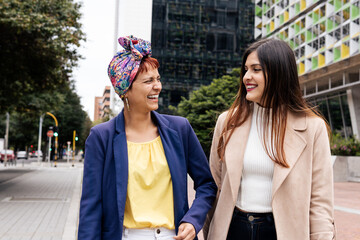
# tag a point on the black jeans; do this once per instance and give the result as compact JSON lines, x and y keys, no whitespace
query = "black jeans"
{"x":251,"y":226}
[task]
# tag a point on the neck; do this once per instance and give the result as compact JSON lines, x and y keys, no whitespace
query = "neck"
{"x":137,"y":121}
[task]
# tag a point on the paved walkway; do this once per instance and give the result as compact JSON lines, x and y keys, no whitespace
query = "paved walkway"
{"x":347,"y":210}
{"x":41,"y":204}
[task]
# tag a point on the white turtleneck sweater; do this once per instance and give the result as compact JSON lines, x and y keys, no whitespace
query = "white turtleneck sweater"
{"x":256,"y":181}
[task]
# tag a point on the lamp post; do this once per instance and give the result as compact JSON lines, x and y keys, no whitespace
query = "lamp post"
{"x":56,"y":137}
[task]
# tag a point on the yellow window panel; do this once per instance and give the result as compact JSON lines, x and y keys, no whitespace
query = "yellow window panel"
{"x":301,"y":68}
{"x":272,"y":26}
{"x":345,"y":51}
{"x":302,"y":5}
{"x":286,"y":16}
{"x":321,"y":60}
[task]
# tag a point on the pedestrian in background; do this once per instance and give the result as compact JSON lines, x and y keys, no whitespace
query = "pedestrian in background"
{"x":270,"y":156}
{"x":136,"y":164}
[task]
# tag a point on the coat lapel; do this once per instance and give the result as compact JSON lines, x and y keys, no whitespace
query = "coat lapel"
{"x":294,"y":145}
{"x":121,"y":163}
{"x":234,"y":158}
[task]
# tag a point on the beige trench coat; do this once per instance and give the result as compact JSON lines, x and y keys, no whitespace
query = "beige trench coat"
{"x":302,"y":195}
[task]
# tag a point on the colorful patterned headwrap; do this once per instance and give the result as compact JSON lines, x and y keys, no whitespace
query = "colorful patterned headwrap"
{"x":125,"y":64}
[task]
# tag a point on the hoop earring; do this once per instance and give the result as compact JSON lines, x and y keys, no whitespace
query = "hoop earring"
{"x":127,"y":104}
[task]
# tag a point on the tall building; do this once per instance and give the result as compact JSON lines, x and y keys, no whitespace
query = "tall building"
{"x":196,"y":41}
{"x":98,"y":108}
{"x":325,"y":38}
{"x":102,"y":104}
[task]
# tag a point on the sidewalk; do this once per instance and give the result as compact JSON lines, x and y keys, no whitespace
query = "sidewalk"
{"x":347,"y":209}
{"x":41,"y":204}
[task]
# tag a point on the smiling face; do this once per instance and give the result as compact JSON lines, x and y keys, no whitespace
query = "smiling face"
{"x":144,"y":92}
{"x":254,"y":79}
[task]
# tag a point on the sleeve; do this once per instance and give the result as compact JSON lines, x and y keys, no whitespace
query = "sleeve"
{"x":322,"y":196}
{"x":204,"y":185}
{"x":91,"y":204}
{"x":215,"y":168}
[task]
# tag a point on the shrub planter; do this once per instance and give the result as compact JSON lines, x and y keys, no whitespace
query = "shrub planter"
{"x":346,"y":169}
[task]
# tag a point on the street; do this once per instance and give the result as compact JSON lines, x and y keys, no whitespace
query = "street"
{"x":39,"y":202}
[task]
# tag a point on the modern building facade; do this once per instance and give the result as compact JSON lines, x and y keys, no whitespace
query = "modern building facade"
{"x":102,"y":104}
{"x":196,"y":41}
{"x":325,"y":38}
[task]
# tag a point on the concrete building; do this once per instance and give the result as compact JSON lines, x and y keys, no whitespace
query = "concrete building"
{"x":196,"y":41}
{"x":102,"y":105}
{"x":325,"y":38}
{"x":98,"y":108}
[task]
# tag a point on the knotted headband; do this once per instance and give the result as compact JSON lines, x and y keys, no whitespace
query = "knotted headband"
{"x":125,"y":64}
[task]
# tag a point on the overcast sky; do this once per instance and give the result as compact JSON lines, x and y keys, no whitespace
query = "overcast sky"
{"x":98,"y":22}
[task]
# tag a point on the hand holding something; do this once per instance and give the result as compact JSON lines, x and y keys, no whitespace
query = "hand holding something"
{"x":186,"y":232}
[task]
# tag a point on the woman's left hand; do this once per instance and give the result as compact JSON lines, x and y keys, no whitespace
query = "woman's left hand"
{"x":186,"y":232}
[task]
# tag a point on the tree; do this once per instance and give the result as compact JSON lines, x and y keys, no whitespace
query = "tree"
{"x":37,"y":51}
{"x":206,"y":104}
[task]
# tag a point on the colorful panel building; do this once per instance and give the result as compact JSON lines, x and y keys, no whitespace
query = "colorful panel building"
{"x":196,"y":41}
{"x":325,"y":38}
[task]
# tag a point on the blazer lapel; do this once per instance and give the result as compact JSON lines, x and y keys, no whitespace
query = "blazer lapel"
{"x":234,"y":158}
{"x":121,"y":163}
{"x":294,"y":145}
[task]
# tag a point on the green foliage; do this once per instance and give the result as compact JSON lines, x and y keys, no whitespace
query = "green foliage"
{"x":207,"y":103}
{"x":344,"y":147}
{"x":37,"y":51}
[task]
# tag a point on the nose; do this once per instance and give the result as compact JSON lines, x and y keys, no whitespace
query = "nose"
{"x":247,"y":75}
{"x":158,"y":86}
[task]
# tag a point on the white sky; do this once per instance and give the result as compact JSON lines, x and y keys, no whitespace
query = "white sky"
{"x":98,"y":22}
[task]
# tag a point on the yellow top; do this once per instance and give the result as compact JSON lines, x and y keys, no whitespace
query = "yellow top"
{"x":149,"y":200}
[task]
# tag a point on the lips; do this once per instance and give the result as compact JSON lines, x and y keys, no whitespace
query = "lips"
{"x":250,"y":87}
{"x":153,"y":96}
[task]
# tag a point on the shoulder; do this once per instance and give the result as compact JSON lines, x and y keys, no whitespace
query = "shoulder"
{"x":221,"y":120}
{"x":103,"y":130}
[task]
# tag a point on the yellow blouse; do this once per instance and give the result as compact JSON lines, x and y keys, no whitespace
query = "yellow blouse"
{"x":149,"y":200}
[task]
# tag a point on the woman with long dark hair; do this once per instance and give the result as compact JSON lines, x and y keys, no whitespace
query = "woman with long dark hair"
{"x":270,"y":156}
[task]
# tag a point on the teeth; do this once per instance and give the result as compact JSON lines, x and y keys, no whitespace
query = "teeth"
{"x":153,"y":96}
{"x":250,"y":87}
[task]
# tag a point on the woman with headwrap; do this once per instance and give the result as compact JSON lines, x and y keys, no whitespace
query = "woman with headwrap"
{"x":136,"y":164}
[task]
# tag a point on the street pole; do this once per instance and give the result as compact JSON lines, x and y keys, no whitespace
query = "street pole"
{"x":68,"y":151}
{"x":56,"y":137}
{"x":6,"y":136}
{"x":49,"y":150}
{"x":39,"y":139}
{"x":73,"y":155}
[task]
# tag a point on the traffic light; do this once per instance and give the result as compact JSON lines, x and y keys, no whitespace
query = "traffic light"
{"x":76,"y":138}
{"x":56,"y":133}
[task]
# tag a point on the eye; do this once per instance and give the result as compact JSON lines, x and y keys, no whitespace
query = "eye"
{"x":257,"y":69}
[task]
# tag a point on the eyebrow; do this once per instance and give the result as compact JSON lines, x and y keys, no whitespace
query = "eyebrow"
{"x":150,"y":78}
{"x":255,"y":64}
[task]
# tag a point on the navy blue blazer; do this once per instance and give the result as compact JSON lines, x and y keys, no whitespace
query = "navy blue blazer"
{"x":106,"y":176}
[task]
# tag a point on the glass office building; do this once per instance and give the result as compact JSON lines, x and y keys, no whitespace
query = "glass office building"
{"x":196,"y":41}
{"x":325,"y":38}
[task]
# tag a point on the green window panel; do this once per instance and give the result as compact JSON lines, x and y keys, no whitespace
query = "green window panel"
{"x":354,"y":12}
{"x":267,"y":28}
{"x":265,"y":7}
{"x":258,"y":11}
{"x":314,"y":63}
{"x":337,"y":54}
{"x":297,"y":28}
{"x":330,"y":25}
{"x":337,"y":4}
{"x":297,"y":8}
{"x":292,"y":44}
{"x":281,"y":18}
{"x":309,"y":36}
{"x":315,"y":17}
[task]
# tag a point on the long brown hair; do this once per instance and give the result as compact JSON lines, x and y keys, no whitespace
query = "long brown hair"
{"x":282,"y":94}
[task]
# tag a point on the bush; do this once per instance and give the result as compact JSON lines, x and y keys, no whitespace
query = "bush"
{"x":344,"y":147}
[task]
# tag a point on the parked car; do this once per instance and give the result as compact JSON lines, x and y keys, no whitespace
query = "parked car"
{"x":21,"y":155}
{"x":10,"y":155}
{"x":34,"y":154}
